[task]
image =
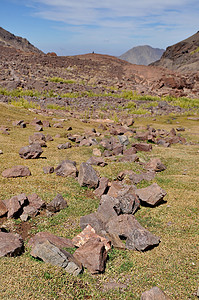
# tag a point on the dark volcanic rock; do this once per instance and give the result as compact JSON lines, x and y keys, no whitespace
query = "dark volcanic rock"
{"x":57,"y":204}
{"x":31,"y":152}
{"x":10,"y":244}
{"x":87,"y":176}
{"x":16,"y":171}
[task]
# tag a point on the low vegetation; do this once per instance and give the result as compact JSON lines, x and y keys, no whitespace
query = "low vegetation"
{"x":172,"y":265}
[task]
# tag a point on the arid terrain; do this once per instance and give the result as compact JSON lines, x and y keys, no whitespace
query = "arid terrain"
{"x":99,"y":178}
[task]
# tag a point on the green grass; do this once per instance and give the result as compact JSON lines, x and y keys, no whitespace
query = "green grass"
{"x":61,"y":80}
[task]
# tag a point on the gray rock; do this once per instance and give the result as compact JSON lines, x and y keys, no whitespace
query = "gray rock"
{"x":10,"y":244}
{"x":67,"y":145}
{"x":126,"y":226}
{"x":16,"y":171}
{"x":66,"y":168}
{"x":123,"y":139}
{"x":154,"y":294}
{"x":31,"y":152}
{"x":51,"y":254}
{"x":151,"y":195}
{"x":48,"y":170}
{"x":88,"y":176}
{"x":57,"y":204}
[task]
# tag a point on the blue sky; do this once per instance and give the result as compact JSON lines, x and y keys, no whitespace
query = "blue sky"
{"x":104,"y":26}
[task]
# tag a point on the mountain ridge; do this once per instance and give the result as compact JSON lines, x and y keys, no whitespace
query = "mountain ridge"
{"x":142,"y":55}
{"x":8,"y":39}
{"x":182,"y":56}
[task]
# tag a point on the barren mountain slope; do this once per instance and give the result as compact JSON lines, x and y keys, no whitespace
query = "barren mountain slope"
{"x":10,"y":40}
{"x":183,"y":56}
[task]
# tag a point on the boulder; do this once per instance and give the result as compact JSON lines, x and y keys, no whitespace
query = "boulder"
{"x":57,"y":204}
{"x":58,"y":241}
{"x":115,"y":188}
{"x":87,"y":176}
{"x":66,"y":168}
{"x":28,"y":211}
{"x":129,"y":158}
{"x":35,"y":201}
{"x":130,"y":151}
{"x":151,"y":195}
{"x":93,"y":220}
{"x":67,"y":145}
{"x":96,"y":161}
{"x":143,"y":147}
{"x":123,"y":140}
{"x":10,"y":244}
{"x":3,"y":208}
{"x":137,"y":237}
{"x":156,"y":165}
{"x":37,"y":138}
{"x":154,"y":294}
{"x":52,"y":254}
{"x":97,"y":152}
{"x":31,"y":152}
{"x":88,"y":233}
{"x":117,"y":149}
{"x":48,"y":169}
{"x":16,"y":171}
{"x":14,"y":204}
{"x":102,"y":188}
{"x":92,"y":255}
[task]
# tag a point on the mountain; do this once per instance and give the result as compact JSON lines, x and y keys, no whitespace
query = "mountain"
{"x":8,"y":39}
{"x":183,"y":56}
{"x":142,"y":55}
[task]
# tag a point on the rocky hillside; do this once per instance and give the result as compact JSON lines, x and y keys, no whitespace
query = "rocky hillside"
{"x":142,"y":55}
{"x":10,"y":40}
{"x":183,"y":56}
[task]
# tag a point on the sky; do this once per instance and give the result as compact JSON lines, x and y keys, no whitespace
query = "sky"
{"x":70,"y":27}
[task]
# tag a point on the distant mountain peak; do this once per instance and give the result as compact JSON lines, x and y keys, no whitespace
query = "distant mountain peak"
{"x":142,"y":55}
{"x":8,"y":39}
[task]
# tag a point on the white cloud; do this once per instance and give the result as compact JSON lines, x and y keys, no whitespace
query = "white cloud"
{"x":126,"y":22}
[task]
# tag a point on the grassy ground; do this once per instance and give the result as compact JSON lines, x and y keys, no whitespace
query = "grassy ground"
{"x":172,"y":265}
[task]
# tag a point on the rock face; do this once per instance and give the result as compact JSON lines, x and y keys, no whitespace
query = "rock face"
{"x":16,"y":171}
{"x":142,"y":55}
{"x":31,"y":152}
{"x":10,"y":244}
{"x":87,"y":176}
{"x":154,"y":294}
{"x":182,"y":56}
{"x":151,"y":195}
{"x":53,"y":255}
{"x":10,"y":40}
{"x":66,"y":168}
{"x":92,"y":255}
